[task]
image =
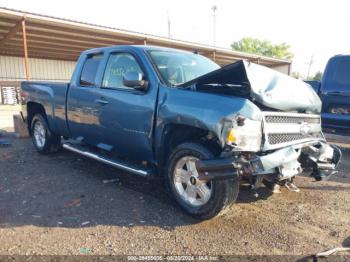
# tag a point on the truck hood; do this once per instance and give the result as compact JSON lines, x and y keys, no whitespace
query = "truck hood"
{"x":263,"y":85}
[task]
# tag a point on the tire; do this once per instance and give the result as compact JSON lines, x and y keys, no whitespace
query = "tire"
{"x":203,"y":205}
{"x":45,"y":142}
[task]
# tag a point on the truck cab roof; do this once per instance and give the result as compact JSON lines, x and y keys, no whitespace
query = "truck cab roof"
{"x":132,"y":48}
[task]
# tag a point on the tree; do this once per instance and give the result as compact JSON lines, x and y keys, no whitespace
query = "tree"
{"x":297,"y":75}
{"x":318,"y":76}
{"x":262,"y":47}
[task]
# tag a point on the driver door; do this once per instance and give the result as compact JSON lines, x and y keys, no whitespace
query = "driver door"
{"x":126,"y":119}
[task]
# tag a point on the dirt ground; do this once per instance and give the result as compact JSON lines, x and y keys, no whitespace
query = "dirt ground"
{"x":66,"y":204}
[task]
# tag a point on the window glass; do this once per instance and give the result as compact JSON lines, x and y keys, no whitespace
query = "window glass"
{"x":177,"y":67}
{"x":342,"y":72}
{"x":117,"y":65}
{"x":88,"y":74}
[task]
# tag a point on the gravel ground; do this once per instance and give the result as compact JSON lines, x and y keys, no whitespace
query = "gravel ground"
{"x":63,"y":204}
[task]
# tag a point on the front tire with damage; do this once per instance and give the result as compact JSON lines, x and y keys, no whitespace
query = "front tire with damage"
{"x":200,"y":199}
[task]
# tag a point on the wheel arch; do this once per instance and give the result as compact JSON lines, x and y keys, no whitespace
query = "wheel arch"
{"x":32,"y":109}
{"x":176,"y":134}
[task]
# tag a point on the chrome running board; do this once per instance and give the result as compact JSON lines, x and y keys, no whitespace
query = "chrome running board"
{"x":118,"y":164}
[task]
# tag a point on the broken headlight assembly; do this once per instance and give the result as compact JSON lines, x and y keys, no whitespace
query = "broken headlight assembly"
{"x":245,"y":135}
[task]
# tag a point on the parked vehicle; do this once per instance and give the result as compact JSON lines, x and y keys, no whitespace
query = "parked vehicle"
{"x":314,"y":84}
{"x":334,"y":91}
{"x":163,"y":112}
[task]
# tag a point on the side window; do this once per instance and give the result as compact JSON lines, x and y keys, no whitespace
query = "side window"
{"x":118,"y":64}
{"x":342,"y":72}
{"x":88,"y":74}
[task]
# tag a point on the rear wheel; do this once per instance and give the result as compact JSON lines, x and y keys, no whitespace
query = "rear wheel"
{"x":43,"y":139}
{"x":200,"y":199}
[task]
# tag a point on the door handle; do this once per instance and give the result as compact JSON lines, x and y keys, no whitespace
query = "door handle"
{"x":102,"y":101}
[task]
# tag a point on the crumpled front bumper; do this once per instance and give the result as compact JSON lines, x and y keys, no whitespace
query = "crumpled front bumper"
{"x":317,"y":158}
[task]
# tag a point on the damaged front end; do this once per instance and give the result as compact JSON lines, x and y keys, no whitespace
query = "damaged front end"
{"x":282,"y":140}
{"x":317,"y":159}
{"x":290,"y":144}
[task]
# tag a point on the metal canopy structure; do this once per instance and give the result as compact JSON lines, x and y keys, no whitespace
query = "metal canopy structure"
{"x":37,"y":36}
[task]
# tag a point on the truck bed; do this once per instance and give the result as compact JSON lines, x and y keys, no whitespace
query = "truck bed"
{"x":52,"y":96}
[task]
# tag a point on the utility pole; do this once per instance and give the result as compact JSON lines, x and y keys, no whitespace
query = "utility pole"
{"x":214,"y":9}
{"x":169,"y":31}
{"x":310,"y":64}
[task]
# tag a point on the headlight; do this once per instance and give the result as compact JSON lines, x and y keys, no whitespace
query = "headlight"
{"x":245,"y":135}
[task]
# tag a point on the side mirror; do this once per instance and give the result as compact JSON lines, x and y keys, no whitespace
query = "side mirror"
{"x":135,"y":80}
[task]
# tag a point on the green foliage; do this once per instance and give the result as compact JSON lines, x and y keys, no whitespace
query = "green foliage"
{"x":297,"y":75}
{"x":263,"y":47}
{"x":318,"y":76}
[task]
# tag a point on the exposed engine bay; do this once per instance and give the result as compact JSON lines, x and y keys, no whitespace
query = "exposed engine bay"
{"x":264,"y":86}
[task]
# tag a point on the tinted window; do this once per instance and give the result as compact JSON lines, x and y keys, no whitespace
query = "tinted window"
{"x":88,"y":74}
{"x":342,"y":72}
{"x":117,"y":66}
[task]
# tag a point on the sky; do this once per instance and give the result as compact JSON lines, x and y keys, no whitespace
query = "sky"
{"x":313,"y":28}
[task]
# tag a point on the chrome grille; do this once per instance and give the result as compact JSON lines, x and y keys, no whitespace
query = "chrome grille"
{"x":291,"y":119}
{"x":283,"y":128}
{"x":274,"y":139}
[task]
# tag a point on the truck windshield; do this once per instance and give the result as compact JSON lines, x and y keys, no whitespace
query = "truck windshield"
{"x":179,"y":67}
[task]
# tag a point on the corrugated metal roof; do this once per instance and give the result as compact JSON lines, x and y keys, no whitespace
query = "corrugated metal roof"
{"x":57,"y":38}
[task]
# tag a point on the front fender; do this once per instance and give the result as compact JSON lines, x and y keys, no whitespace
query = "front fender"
{"x":200,"y":110}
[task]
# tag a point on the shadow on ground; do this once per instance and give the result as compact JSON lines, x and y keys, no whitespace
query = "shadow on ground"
{"x":346,"y":242}
{"x":66,"y":190}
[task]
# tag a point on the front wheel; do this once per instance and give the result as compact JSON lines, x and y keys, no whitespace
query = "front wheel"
{"x":43,"y":139}
{"x":200,"y":199}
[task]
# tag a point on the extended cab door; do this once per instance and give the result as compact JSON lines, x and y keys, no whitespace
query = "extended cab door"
{"x":84,"y":101}
{"x":335,"y":94}
{"x":126,"y":120}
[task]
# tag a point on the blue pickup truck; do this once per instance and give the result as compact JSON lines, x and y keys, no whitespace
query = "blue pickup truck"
{"x":334,"y":91}
{"x":176,"y":115}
